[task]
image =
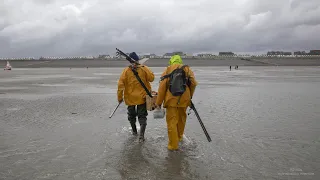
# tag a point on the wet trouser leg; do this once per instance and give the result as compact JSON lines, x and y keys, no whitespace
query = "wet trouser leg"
{"x":132,"y":118}
{"x":142,"y":114}
{"x":142,"y":117}
{"x":176,"y":120}
{"x":182,"y":121}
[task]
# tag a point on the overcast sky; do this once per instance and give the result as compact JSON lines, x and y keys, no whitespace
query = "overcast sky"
{"x":33,"y":28}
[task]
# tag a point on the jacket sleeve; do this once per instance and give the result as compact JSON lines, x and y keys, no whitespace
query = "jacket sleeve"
{"x":121,"y":85}
{"x":162,"y":90}
{"x":150,"y":75}
{"x":193,"y":82}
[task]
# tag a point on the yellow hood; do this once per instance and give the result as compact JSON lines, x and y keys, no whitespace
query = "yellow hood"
{"x":176,"y":59}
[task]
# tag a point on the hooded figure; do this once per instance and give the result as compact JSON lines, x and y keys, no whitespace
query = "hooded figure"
{"x":176,"y":59}
{"x":134,"y":56}
{"x":176,"y":115}
{"x":134,"y":95}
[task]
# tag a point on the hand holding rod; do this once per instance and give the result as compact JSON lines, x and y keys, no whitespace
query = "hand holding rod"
{"x":115,"y":109}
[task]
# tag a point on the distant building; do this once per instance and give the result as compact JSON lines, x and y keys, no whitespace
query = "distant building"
{"x":278,"y":53}
{"x":226,"y":54}
{"x":166,"y":55}
{"x":272,"y":53}
{"x":205,"y":55}
{"x":299,"y":53}
{"x":104,"y":56}
{"x":314,"y":52}
{"x":179,"y":53}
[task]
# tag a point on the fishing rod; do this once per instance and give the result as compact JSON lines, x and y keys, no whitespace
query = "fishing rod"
{"x":115,"y":109}
{"x":200,"y":121}
{"x":134,"y":63}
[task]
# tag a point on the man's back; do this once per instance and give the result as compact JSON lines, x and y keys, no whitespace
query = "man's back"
{"x":134,"y":93}
{"x":165,"y":94}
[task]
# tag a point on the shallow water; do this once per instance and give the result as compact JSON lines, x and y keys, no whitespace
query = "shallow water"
{"x":263,"y":122}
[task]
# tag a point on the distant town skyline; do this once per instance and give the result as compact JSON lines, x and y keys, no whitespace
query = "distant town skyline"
{"x":181,"y":53}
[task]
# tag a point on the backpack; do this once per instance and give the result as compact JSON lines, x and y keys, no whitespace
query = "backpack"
{"x":178,"y":81}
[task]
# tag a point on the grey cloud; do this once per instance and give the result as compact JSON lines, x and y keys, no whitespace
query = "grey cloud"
{"x":75,"y":28}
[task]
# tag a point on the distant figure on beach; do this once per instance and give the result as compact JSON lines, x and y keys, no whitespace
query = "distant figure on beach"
{"x":230,"y":68}
{"x":236,"y":67}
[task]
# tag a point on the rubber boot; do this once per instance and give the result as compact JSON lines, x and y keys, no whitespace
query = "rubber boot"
{"x":134,"y":128}
{"x":142,"y":130}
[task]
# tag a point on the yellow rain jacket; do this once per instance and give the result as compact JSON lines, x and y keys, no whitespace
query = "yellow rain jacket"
{"x":130,"y":87}
{"x":176,"y":113}
{"x":165,"y":95}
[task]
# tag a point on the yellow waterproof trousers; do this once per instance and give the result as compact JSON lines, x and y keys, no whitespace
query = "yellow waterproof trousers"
{"x":176,"y":120}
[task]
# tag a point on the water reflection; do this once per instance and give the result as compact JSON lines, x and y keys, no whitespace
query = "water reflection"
{"x":151,"y":160}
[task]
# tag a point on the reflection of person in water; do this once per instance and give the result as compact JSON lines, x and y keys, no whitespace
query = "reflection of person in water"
{"x":174,"y":166}
{"x":144,"y":161}
{"x":133,"y":164}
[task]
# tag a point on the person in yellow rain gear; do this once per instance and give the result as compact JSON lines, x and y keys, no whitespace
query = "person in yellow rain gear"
{"x":176,"y":88}
{"x":135,"y":95}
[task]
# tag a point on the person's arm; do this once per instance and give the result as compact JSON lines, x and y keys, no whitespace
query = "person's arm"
{"x":121,"y":85}
{"x":193,"y":82}
{"x":149,"y":73}
{"x":162,"y":90}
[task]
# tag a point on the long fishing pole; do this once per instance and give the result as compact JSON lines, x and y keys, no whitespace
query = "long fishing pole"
{"x":115,"y":109}
{"x":200,"y":121}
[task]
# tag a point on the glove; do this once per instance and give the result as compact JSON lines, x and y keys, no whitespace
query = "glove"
{"x":120,"y":101}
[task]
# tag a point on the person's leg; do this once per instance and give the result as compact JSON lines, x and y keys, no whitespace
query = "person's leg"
{"x":181,"y":121}
{"x":142,"y":117}
{"x":132,"y":118}
{"x":172,"y":121}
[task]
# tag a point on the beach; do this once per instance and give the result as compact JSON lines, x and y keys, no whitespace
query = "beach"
{"x":95,"y":63}
{"x":263,"y":122}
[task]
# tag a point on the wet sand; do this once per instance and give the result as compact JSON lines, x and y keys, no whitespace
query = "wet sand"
{"x":161,"y":63}
{"x":263,"y":121}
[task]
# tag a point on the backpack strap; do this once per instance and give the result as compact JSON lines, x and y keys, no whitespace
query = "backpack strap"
{"x":186,"y":80}
{"x":183,"y":66}
{"x":168,"y":75}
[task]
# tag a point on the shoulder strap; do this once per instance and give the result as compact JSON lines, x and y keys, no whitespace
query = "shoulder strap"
{"x":140,"y":81}
{"x":183,"y":66}
{"x":168,"y":75}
